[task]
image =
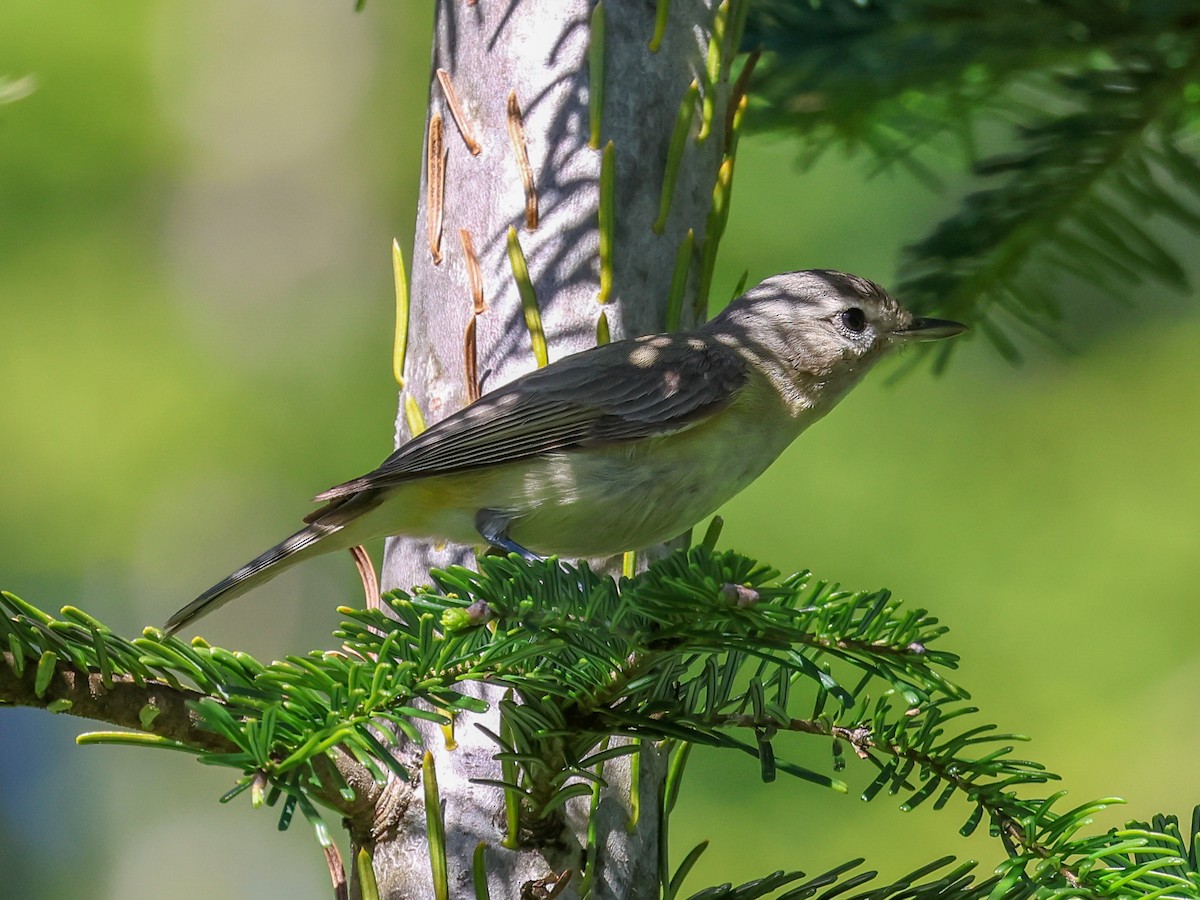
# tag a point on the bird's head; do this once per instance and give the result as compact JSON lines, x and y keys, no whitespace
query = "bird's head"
{"x":820,"y":330}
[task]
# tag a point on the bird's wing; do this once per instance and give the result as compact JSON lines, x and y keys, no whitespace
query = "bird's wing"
{"x":619,"y":392}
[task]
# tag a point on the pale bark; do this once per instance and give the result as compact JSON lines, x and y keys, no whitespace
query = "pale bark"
{"x":539,"y":49}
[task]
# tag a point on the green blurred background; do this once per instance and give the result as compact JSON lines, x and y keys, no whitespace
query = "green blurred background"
{"x":196,"y":205}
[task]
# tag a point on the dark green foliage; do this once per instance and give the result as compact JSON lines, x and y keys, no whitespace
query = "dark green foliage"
{"x":1103,"y":97}
{"x":1163,"y":866}
{"x":705,"y":647}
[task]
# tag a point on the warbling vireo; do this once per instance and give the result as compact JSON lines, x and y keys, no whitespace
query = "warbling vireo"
{"x":618,"y":447}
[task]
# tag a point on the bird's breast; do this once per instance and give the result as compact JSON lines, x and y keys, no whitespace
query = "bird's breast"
{"x":603,"y":500}
{"x":600,"y":500}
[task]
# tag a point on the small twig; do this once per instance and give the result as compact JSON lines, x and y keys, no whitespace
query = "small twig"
{"x":739,"y":91}
{"x":733,"y":35}
{"x":561,"y":884}
{"x":366,"y":571}
{"x":605,"y":214}
{"x":596,"y":75}
{"x":470,"y":340}
{"x":337,"y":871}
{"x":470,"y":361}
{"x":435,"y":828}
{"x":516,"y":134}
{"x":400,"y":345}
{"x":683,"y":265}
{"x":861,"y":738}
{"x":712,"y":69}
{"x":603,"y":334}
{"x":479,"y":872}
{"x":413,"y":416}
{"x":675,"y":150}
{"x":119,"y":703}
{"x":365,"y":868}
{"x":435,"y":187}
{"x":474,"y":273}
{"x":635,"y":788}
{"x":738,"y":113}
{"x":661,"y":13}
{"x":508,"y":772}
{"x":718,"y":215}
{"x":529,"y":303}
{"x":456,"y":110}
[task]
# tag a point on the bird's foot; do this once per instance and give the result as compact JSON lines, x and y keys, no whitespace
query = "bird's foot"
{"x":493,"y":524}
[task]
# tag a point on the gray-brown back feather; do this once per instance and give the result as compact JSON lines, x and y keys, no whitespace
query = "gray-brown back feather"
{"x":619,"y":392}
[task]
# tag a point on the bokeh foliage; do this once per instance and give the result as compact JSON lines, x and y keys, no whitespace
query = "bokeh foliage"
{"x":1047,"y":512}
{"x":702,"y":648}
{"x":1100,"y":101}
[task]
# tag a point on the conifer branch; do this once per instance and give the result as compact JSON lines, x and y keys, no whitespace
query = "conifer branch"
{"x":701,"y":647}
{"x":150,"y":706}
{"x":1100,"y":97}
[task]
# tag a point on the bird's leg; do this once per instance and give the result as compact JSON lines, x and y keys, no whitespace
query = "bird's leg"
{"x":493,"y":524}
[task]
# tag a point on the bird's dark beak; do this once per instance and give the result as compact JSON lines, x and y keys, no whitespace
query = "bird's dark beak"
{"x":930,"y":329}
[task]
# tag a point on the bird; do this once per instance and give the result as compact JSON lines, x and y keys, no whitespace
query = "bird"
{"x":618,"y":447}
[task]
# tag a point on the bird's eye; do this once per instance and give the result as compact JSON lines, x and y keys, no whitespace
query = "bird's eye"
{"x":853,"y":320}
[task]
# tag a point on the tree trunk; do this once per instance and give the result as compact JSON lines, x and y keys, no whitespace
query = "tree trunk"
{"x":536,"y":61}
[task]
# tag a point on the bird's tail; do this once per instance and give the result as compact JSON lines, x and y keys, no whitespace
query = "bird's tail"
{"x":262,"y":568}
